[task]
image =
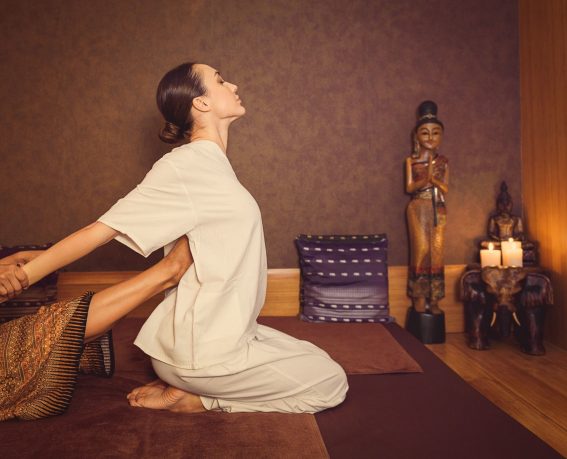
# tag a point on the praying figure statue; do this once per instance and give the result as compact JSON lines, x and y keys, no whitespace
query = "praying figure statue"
{"x":427,"y":181}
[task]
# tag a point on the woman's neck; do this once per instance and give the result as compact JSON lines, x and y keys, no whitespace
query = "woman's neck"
{"x":216,"y":134}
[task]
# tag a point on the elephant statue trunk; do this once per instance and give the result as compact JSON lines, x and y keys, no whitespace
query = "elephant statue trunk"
{"x":503,"y":317}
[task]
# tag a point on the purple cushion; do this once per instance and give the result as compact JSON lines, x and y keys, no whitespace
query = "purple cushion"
{"x":344,"y":278}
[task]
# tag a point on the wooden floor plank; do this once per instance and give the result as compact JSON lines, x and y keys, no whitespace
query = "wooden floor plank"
{"x":517,"y":376}
{"x":528,"y":388}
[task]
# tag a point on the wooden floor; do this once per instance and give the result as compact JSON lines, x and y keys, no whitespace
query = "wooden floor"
{"x":531,"y":389}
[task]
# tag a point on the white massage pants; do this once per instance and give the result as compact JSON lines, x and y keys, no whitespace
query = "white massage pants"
{"x":282,"y":374}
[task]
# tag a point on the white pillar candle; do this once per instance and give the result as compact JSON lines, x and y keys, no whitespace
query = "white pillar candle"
{"x":490,"y":257}
{"x":512,"y":253}
{"x":510,"y":244}
{"x":513,"y":257}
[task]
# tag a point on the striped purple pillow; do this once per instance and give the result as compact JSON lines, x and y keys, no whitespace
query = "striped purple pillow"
{"x":344,"y":278}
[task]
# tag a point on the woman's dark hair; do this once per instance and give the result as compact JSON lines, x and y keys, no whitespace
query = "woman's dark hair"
{"x":175,"y":94}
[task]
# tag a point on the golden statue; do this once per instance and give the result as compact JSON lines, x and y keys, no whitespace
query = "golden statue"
{"x":427,"y":178}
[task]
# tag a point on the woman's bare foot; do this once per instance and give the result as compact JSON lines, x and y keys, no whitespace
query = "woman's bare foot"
{"x":178,"y":261}
{"x":158,"y":396}
{"x":155,"y":382}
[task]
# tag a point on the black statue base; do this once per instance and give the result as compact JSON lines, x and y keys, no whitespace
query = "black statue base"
{"x":426,"y":327}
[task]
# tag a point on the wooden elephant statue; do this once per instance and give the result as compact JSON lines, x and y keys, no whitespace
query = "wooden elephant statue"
{"x":501,"y":301}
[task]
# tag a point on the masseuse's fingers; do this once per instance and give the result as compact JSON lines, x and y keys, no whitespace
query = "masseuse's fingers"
{"x":22,"y":276}
{"x":10,"y":285}
{"x":6,"y":291}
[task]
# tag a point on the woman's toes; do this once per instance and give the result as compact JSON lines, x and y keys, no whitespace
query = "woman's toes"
{"x":134,"y":392}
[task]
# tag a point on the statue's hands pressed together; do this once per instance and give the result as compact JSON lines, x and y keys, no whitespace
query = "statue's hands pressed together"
{"x":430,"y":171}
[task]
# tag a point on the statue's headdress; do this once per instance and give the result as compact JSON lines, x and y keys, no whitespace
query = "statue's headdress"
{"x":427,"y":113}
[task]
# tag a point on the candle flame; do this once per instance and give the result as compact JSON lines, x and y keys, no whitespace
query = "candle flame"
{"x":490,"y":246}
{"x":510,"y":239}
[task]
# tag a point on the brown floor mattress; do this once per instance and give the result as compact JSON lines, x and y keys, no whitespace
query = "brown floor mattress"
{"x":406,"y":414}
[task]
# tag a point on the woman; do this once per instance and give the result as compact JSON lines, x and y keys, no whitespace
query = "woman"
{"x":427,"y":178}
{"x":205,"y":344}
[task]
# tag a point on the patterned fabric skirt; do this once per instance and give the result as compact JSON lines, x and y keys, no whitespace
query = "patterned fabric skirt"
{"x":41,"y":355}
{"x":426,"y":277}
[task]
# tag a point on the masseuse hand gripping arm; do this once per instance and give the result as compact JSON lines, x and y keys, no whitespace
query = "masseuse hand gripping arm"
{"x":14,"y":278}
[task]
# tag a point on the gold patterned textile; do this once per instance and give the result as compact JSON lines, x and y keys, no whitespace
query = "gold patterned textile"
{"x":98,"y":357}
{"x":426,"y":277}
{"x":40,"y":356}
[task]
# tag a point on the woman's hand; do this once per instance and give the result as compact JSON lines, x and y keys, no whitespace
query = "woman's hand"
{"x":14,"y":259}
{"x":13,"y":280}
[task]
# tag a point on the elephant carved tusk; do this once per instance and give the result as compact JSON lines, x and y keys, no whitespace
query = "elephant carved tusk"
{"x":516,"y":319}
{"x":492,"y":322}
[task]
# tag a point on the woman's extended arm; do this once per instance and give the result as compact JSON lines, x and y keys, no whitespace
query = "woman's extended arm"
{"x":73,"y":247}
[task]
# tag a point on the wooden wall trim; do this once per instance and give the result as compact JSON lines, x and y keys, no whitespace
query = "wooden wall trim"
{"x":282,"y":298}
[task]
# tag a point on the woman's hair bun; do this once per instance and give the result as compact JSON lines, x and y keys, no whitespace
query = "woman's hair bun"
{"x":175,"y":94}
{"x":171,"y":133}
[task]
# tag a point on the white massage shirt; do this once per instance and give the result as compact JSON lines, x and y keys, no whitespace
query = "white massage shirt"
{"x":208,"y":319}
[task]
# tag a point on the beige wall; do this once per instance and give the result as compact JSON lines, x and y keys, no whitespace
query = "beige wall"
{"x":331,"y":89}
{"x":543,"y":57}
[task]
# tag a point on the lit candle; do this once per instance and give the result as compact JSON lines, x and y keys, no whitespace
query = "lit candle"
{"x":490,"y":257}
{"x":512,"y":253}
{"x":510,"y":244}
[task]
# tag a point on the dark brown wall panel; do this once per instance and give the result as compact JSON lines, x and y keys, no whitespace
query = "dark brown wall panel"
{"x":331,"y":89}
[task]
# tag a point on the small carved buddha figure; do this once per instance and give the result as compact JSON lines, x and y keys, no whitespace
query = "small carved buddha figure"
{"x":503,"y":225}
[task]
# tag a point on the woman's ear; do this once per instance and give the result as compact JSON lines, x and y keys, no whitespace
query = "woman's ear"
{"x":201,"y":104}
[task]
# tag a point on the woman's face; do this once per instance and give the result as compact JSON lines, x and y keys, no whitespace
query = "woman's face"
{"x":429,"y":136}
{"x":221,"y":96}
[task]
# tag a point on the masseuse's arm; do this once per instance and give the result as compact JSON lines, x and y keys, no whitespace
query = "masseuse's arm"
{"x":70,"y":249}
